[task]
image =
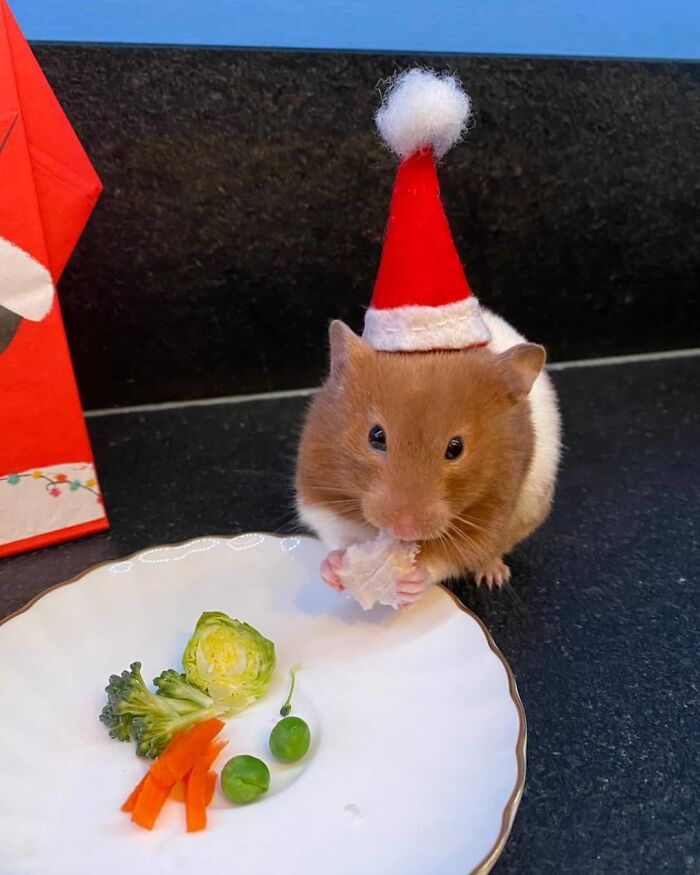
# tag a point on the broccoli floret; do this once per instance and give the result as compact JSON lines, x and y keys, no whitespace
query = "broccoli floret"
{"x":175,"y":686}
{"x":150,"y":719}
{"x":129,"y":697}
{"x":119,"y":727}
{"x":153,"y":732}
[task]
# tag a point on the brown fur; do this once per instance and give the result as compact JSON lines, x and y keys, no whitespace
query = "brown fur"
{"x":463,"y":509}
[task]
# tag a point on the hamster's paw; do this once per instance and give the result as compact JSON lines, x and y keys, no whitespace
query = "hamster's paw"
{"x":411,"y":586}
{"x":497,"y":574}
{"x":330,"y":567}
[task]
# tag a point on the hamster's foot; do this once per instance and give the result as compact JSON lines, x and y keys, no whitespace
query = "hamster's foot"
{"x":497,"y":574}
{"x":330,"y":567}
{"x":412,"y":585}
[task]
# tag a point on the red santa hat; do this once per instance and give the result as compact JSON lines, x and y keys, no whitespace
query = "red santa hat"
{"x":421,"y":298}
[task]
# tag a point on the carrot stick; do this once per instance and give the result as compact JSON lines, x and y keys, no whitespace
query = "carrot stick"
{"x":209,"y":787}
{"x":195,"y":806}
{"x":201,"y":783}
{"x":213,"y":751}
{"x":151,"y":799}
{"x":183,"y":752}
{"x":130,"y":802}
{"x":179,"y":791}
{"x":192,"y":751}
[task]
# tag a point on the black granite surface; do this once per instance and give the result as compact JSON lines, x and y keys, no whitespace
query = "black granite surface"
{"x":601,"y":626}
{"x":246,"y":195}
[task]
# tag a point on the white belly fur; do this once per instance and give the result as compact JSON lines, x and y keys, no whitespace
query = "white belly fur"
{"x":336,"y":532}
{"x":546,"y":422}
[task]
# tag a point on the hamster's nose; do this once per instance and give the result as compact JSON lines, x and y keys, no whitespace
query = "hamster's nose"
{"x":405,"y":528}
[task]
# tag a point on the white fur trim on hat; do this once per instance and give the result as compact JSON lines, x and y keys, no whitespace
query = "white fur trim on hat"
{"x":26,"y":287}
{"x":414,"y":329}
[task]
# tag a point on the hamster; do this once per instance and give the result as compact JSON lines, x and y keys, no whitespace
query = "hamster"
{"x":457,"y":450}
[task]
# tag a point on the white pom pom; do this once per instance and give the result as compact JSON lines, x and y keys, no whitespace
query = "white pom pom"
{"x":423,"y":109}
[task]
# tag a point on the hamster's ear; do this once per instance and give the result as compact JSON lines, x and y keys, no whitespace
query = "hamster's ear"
{"x":346,"y":348}
{"x":521,"y":365}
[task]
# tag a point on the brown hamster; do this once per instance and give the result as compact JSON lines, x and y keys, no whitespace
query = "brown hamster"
{"x":457,"y":450}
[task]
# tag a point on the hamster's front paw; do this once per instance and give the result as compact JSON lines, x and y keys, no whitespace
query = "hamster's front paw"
{"x":497,"y":574}
{"x":330,"y":567}
{"x":410,"y":587}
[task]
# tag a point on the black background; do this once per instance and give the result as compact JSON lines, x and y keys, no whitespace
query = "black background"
{"x":246,"y":194}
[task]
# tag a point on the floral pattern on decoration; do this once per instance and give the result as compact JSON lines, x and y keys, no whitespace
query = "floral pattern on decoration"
{"x":37,"y":501}
{"x":57,"y":483}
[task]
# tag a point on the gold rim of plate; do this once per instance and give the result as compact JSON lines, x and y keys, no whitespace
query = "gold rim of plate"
{"x":511,"y":806}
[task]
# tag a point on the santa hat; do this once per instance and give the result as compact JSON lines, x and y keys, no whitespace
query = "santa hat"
{"x":421,"y":298}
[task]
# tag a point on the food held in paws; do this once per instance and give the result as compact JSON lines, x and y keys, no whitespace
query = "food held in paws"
{"x":371,"y":570}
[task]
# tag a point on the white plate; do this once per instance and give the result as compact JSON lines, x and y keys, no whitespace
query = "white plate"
{"x":418,"y":757}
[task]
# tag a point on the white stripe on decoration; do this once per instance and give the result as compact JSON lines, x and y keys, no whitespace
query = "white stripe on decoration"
{"x":26,"y":287}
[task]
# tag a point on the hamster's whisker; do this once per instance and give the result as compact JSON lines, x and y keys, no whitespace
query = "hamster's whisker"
{"x":468,"y":542}
{"x":442,"y":540}
{"x":318,"y":487}
{"x":456,"y":546}
{"x":344,"y":502}
{"x":349,"y":508}
{"x":470,"y":522}
{"x":460,"y":549}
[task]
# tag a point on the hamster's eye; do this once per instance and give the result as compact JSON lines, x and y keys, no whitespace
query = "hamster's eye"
{"x":454,"y":448}
{"x":377,"y":438}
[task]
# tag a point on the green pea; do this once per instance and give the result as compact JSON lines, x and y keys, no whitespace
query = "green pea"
{"x":244,"y":778}
{"x":290,"y":739}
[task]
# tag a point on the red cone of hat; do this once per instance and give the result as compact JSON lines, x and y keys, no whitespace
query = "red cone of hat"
{"x":421,"y":298}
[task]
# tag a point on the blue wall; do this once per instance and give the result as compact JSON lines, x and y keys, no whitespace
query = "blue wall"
{"x":605,"y":28}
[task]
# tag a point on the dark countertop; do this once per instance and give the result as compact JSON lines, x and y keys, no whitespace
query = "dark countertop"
{"x":245,"y":200}
{"x":600,"y":628}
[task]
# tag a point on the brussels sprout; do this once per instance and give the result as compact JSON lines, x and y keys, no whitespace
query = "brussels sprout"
{"x":229,"y":660}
